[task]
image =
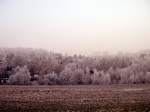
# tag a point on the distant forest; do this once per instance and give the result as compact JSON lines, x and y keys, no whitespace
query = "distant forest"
{"x":20,"y":66}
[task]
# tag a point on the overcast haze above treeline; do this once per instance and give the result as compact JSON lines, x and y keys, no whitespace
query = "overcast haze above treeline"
{"x":76,"y":26}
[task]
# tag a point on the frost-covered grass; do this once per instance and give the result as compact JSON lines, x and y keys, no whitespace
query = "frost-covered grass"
{"x":106,"y":98}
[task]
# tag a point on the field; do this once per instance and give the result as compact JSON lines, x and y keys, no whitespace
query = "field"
{"x":114,"y":98}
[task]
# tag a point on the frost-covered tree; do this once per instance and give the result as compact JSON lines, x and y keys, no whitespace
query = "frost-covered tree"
{"x":21,"y":76}
{"x":105,"y":78}
{"x":96,"y":77}
{"x":100,"y":69}
{"x":86,"y":77}
{"x":71,"y":74}
{"x":114,"y":75}
{"x":147,"y":77}
{"x":50,"y":79}
{"x":76,"y":77}
{"x":64,"y":77}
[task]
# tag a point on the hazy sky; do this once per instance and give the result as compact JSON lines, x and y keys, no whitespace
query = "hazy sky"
{"x":76,"y":26}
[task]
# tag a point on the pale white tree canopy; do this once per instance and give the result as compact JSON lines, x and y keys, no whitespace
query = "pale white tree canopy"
{"x":76,"y":26}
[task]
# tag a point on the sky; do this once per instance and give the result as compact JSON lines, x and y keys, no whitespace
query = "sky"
{"x":76,"y":26}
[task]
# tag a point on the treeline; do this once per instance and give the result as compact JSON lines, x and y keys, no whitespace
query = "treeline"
{"x":21,"y":66}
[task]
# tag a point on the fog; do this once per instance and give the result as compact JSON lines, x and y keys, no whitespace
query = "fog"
{"x":76,"y":26}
